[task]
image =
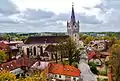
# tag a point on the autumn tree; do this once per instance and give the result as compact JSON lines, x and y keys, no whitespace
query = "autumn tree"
{"x":7,"y":76}
{"x":115,"y":61}
{"x":88,"y":39}
{"x":2,"y":56}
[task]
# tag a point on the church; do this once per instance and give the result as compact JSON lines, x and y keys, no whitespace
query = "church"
{"x":43,"y":45}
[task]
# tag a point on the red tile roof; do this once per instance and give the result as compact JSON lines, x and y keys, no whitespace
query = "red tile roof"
{"x":63,"y":70}
{"x":3,"y":46}
{"x":91,"y":54}
{"x":23,"y":61}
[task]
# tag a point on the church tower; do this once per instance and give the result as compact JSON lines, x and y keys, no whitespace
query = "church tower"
{"x":73,"y":26}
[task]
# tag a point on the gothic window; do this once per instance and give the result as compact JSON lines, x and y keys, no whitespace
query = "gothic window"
{"x":28,"y":52}
{"x":34,"y":50}
{"x":75,"y":26}
{"x":75,"y":35}
{"x":31,"y":50}
{"x":41,"y":50}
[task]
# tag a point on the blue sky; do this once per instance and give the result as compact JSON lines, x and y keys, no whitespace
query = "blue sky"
{"x":52,"y":15}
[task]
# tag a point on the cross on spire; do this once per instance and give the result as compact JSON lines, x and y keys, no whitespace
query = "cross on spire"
{"x":72,"y":4}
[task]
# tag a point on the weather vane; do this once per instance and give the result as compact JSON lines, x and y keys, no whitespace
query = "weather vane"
{"x":72,"y":4}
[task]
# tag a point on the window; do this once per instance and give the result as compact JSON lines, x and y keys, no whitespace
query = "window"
{"x":34,"y":51}
{"x":28,"y":52}
{"x":75,"y":35}
{"x":74,"y":79}
{"x":59,"y":76}
{"x":55,"y":75}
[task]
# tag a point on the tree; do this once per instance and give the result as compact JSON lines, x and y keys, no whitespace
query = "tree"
{"x":29,"y":79}
{"x":117,"y":42}
{"x":115,"y":62}
{"x":93,"y":67}
{"x":2,"y":56}
{"x":5,"y":75}
{"x":68,"y":48}
{"x":88,"y":39}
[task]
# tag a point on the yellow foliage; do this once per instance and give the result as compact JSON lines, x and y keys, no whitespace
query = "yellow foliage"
{"x":29,"y":79}
{"x":6,"y":75}
{"x":2,"y":56}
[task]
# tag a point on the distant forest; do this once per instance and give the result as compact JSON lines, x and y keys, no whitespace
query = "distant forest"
{"x":22,"y":36}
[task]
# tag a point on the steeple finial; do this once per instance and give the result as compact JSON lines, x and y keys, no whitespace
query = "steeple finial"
{"x":72,"y":4}
{"x":73,"y":14}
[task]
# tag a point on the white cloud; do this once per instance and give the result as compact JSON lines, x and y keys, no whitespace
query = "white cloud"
{"x":52,"y":15}
{"x":56,"y":6}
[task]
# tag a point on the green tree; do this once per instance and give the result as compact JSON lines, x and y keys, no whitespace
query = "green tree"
{"x":117,"y":42}
{"x":2,"y":56}
{"x":69,"y":48}
{"x":93,"y":67}
{"x":115,"y":61}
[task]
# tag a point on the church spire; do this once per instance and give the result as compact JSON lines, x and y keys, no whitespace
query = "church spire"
{"x":73,"y":14}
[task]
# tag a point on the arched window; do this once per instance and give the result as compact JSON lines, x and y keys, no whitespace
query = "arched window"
{"x":41,"y":50}
{"x":28,"y":52}
{"x":34,"y":50}
{"x":75,"y":35}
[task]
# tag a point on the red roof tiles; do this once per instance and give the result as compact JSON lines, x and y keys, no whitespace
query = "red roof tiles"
{"x":63,"y":70}
{"x":23,"y":61}
{"x":91,"y":54}
{"x":3,"y":46}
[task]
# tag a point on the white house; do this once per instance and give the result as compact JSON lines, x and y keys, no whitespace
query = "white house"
{"x":63,"y":72}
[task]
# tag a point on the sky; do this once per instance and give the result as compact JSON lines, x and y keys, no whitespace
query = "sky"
{"x":52,"y":15}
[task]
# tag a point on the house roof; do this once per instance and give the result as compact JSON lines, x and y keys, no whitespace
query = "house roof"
{"x":12,"y":42}
{"x":23,"y":61}
{"x":91,"y":54}
{"x":50,"y":48}
{"x":63,"y":70}
{"x":3,"y":45}
{"x":44,"y":39}
{"x":40,"y":65}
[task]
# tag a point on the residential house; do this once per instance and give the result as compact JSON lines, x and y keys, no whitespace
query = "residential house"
{"x":40,"y":65}
{"x":92,"y":57}
{"x":10,"y":48}
{"x":19,"y":66}
{"x":60,"y":72}
{"x":100,"y":45}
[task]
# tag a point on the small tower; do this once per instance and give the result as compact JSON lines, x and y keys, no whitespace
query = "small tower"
{"x":73,"y":26}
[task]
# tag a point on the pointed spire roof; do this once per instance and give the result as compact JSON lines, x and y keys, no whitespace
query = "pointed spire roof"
{"x":73,"y":14}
